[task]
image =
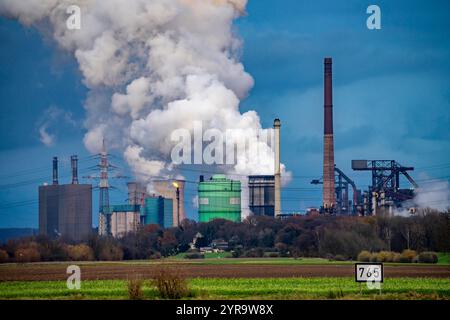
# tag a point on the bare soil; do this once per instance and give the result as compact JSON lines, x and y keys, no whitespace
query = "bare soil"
{"x":47,"y":272}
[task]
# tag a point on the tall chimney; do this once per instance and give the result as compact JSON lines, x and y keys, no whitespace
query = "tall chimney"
{"x":74,"y":164}
{"x":328,"y":147}
{"x":55,"y":170}
{"x":276,"y":127}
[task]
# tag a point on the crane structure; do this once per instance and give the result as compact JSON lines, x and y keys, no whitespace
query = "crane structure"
{"x":385,"y":190}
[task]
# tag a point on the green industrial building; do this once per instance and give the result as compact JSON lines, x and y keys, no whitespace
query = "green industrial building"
{"x":219,"y":198}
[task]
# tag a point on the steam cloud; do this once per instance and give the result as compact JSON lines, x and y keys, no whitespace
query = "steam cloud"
{"x":432,"y":194}
{"x":153,"y":67}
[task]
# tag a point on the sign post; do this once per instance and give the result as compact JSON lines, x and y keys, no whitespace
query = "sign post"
{"x":370,"y":273}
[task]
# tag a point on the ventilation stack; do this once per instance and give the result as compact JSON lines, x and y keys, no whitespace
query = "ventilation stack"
{"x":276,"y":127}
{"x":55,"y":170}
{"x":74,"y":164}
{"x":328,"y":148}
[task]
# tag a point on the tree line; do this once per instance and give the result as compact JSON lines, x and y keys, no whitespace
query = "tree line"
{"x":333,"y":237}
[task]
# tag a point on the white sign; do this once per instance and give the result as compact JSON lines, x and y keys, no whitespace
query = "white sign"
{"x":369,"y":272}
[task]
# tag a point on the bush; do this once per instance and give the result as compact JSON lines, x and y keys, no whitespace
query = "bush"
{"x":170,"y":284}
{"x":4,"y":257}
{"x":339,"y":257}
{"x":428,"y":257}
{"x":374,"y":257}
{"x":80,"y":252}
{"x":273,"y":254}
{"x":135,"y":289}
{"x":407,"y":256}
{"x":27,"y":254}
{"x":255,"y":253}
{"x":396,"y":257}
{"x":364,"y":256}
{"x":111,"y":253}
{"x":385,"y":256}
{"x":155,"y":256}
{"x":194,"y":255}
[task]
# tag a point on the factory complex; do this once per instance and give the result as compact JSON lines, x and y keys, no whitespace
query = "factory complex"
{"x":66,"y":210}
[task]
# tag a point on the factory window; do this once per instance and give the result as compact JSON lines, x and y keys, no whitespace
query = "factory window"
{"x":235,"y":201}
{"x":203,"y":201}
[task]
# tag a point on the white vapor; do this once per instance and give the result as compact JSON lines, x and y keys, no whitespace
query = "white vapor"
{"x":51,"y":118}
{"x":432,"y":194}
{"x":153,"y":67}
{"x":45,"y":137}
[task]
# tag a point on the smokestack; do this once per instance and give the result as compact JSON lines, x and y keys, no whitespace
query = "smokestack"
{"x":276,"y":127}
{"x":55,"y":170}
{"x":328,"y":148}
{"x":74,"y":164}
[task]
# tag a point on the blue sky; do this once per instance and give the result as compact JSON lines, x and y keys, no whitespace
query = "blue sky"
{"x":391,"y":95}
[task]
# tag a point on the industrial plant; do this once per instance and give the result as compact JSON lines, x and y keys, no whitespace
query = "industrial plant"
{"x":66,"y":210}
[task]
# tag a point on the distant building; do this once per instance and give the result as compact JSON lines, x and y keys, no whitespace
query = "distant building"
{"x":66,"y":211}
{"x":219,"y":198}
{"x":123,"y":219}
{"x":137,"y":194}
{"x":262,"y":195}
{"x":158,"y":210}
{"x":167,"y":189}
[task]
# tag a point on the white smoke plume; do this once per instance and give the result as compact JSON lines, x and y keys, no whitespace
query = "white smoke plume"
{"x":432,"y":194}
{"x":51,"y":118}
{"x":153,"y":67}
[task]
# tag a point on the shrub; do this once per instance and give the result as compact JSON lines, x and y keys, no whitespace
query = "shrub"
{"x":194,"y":255}
{"x":373,"y":257}
{"x":27,"y":254}
{"x":111,"y":253}
{"x":396,"y":257}
{"x":339,"y":257}
{"x":385,"y":256}
{"x":80,"y":252}
{"x":135,"y":289}
{"x":364,"y":256}
{"x":428,"y":257}
{"x":4,"y":257}
{"x":407,"y":256}
{"x":254,"y":253}
{"x":155,"y":256}
{"x":273,"y":255}
{"x":170,"y":284}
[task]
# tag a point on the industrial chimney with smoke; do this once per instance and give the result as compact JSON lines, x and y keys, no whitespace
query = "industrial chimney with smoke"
{"x":328,"y":147}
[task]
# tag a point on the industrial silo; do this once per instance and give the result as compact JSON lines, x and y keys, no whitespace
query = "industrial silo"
{"x":219,"y":198}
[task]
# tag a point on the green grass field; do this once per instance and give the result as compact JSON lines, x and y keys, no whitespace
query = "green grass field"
{"x":443,"y":258}
{"x":224,"y":258}
{"x":269,"y":288}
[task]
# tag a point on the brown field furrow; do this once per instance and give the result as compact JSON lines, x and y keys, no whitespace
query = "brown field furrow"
{"x":36,"y":272}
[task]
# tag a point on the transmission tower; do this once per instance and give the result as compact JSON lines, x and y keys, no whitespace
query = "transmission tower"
{"x":104,"y":221}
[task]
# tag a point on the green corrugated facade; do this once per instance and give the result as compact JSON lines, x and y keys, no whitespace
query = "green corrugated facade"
{"x":219,"y":198}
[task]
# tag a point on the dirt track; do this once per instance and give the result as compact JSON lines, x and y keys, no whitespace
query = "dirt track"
{"x":40,"y":272}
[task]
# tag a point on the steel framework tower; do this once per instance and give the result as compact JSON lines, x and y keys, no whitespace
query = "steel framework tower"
{"x":104,"y":216}
{"x":385,"y":189}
